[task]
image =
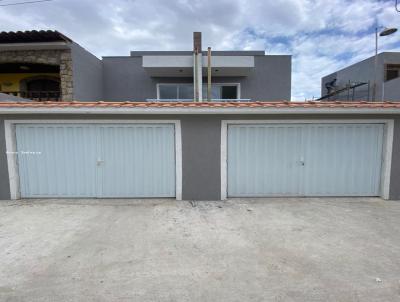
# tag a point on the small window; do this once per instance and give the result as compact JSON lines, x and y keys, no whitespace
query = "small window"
{"x":175,"y":92}
{"x":392,"y":71}
{"x":169,"y":92}
{"x":229,"y":92}
{"x":215,"y":92}
{"x":221,"y":91}
{"x":185,"y":92}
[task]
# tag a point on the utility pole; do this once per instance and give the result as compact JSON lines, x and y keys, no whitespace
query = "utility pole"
{"x":375,"y":65}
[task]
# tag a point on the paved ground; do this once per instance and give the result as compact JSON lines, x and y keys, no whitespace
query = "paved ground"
{"x":260,"y":250}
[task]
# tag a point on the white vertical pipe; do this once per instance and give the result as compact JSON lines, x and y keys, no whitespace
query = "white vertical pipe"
{"x":195,"y":82}
{"x":199,"y":76}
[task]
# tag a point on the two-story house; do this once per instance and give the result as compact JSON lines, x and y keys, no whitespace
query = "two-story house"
{"x":47,"y":65}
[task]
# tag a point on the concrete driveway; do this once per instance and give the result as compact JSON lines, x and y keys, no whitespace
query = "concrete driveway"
{"x":240,"y":250}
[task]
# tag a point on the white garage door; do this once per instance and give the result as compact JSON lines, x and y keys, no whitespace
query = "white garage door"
{"x":96,"y":160}
{"x":304,"y":160}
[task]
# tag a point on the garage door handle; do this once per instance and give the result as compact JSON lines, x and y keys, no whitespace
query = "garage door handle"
{"x":99,"y":161}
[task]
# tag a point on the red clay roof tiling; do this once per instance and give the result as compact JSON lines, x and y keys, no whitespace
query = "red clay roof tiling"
{"x":32,"y":36}
{"x":280,"y":104}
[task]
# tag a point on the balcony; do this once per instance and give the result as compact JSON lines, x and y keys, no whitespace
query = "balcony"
{"x":36,"y":95}
{"x":38,"y":82}
{"x":182,"y":66}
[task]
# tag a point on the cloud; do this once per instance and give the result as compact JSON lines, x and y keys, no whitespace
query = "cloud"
{"x":322,"y":36}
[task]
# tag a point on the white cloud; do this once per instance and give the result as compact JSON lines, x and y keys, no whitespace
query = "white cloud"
{"x":322,"y":36}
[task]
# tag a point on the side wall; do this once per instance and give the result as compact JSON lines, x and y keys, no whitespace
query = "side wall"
{"x":126,"y":80}
{"x":4,"y":183}
{"x":391,"y":90}
{"x":87,"y":75}
{"x":201,"y":142}
{"x":271,"y":80}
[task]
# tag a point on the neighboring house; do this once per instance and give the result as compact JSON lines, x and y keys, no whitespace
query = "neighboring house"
{"x":356,"y":82}
{"x":4,"y":97}
{"x":199,"y":150}
{"x":47,"y":65}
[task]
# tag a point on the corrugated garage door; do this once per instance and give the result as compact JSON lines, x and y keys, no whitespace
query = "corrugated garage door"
{"x":96,"y":160}
{"x":304,"y":159}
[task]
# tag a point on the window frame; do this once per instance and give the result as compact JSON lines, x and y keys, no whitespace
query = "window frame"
{"x":387,"y":68}
{"x":238,"y":96}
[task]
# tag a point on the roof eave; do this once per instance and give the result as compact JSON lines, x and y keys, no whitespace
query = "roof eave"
{"x":183,"y":111}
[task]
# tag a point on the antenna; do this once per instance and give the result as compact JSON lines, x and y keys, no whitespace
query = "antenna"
{"x":24,"y":2}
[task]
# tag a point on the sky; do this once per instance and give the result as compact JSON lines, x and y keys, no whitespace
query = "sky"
{"x":322,"y":36}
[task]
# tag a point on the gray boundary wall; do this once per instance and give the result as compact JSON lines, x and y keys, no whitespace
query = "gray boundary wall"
{"x":201,"y":143}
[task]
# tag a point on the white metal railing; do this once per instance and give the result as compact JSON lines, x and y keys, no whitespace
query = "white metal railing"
{"x":192,"y":100}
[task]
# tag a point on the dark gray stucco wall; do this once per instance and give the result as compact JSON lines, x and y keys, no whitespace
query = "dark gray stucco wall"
{"x":87,"y":74}
{"x":395,"y":169}
{"x":270,"y":80}
{"x":201,"y":141}
{"x":125,"y":79}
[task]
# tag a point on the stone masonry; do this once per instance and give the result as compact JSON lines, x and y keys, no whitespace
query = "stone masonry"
{"x":52,"y":57}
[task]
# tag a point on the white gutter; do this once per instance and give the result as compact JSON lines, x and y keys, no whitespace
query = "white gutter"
{"x":255,"y":111}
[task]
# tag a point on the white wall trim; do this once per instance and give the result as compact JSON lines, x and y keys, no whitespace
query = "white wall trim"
{"x":224,"y":160}
{"x":12,"y":163}
{"x":11,"y":147}
{"x":387,"y":159}
{"x":178,"y":159}
{"x":387,"y":145}
{"x":158,"y":90}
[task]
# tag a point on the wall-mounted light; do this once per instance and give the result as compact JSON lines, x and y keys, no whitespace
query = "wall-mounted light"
{"x":23,"y":67}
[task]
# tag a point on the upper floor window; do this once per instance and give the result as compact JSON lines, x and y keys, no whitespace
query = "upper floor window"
{"x":392,"y":71}
{"x":185,"y":92}
{"x":222,"y":91}
{"x":175,"y":91}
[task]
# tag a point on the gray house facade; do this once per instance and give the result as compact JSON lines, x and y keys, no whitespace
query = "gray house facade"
{"x":356,"y":82}
{"x":47,"y":65}
{"x":236,"y":75}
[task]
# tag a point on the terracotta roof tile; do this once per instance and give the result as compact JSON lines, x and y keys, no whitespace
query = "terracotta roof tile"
{"x":280,"y":104}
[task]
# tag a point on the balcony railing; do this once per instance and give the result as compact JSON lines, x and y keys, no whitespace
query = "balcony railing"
{"x":204,"y":100}
{"x":36,"y":95}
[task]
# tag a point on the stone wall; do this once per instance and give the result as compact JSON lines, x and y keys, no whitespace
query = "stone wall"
{"x":62,"y":58}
